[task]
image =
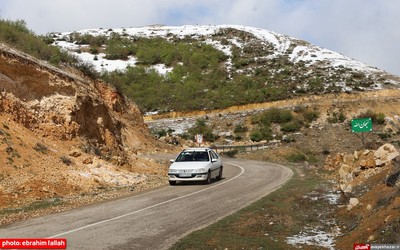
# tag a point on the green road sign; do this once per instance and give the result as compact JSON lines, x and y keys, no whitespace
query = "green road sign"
{"x":361,"y":125}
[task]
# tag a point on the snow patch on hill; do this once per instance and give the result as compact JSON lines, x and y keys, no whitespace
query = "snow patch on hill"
{"x":309,"y":54}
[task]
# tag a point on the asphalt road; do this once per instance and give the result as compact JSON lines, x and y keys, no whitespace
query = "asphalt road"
{"x":158,"y":218}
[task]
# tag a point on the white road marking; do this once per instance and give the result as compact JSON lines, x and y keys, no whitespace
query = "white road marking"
{"x":152,"y":206}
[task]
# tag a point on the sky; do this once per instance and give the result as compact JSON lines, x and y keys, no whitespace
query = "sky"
{"x":366,"y":30}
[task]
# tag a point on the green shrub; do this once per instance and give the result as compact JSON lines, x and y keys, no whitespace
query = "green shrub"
{"x":87,"y":68}
{"x":119,"y":48}
{"x":261,"y":133}
{"x":380,"y":118}
{"x":292,"y":126}
{"x":239,"y":128}
{"x":256,"y":135}
{"x":159,"y":133}
{"x":16,"y":34}
{"x":377,"y":118}
{"x":336,"y":118}
{"x":310,"y":115}
{"x":296,"y":157}
{"x":275,"y":115}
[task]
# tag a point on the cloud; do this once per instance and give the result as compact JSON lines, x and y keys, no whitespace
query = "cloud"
{"x":364,"y":30}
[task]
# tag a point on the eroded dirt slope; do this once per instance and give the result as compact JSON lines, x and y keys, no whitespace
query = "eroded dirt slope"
{"x":64,"y":136}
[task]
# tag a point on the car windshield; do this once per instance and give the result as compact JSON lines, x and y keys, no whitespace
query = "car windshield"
{"x":193,"y":156}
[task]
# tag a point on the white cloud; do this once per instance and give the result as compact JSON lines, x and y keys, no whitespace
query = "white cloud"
{"x":364,"y":30}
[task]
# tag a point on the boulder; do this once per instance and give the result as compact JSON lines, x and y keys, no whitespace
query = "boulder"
{"x":333,"y":162}
{"x":348,"y":159}
{"x":352,"y":203}
{"x":367,"y":159}
{"x":346,"y":173}
{"x":385,"y":154}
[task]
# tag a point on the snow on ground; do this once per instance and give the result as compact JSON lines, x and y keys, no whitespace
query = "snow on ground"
{"x":313,"y":237}
{"x":280,"y":42}
{"x":313,"y":54}
{"x":102,"y":64}
{"x":310,"y":54}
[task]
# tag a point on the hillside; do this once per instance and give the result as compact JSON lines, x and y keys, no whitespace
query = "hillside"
{"x":64,"y":138}
{"x":186,"y":68}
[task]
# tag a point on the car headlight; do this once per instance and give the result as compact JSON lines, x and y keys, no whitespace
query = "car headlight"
{"x":200,"y":170}
{"x":170,"y":171}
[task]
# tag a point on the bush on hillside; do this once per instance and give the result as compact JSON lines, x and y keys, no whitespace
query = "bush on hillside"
{"x":16,"y":34}
{"x":273,"y":115}
{"x":261,"y":133}
{"x":336,"y":117}
{"x":377,"y":118}
{"x":310,"y":115}
{"x":292,"y":126}
{"x":239,"y":128}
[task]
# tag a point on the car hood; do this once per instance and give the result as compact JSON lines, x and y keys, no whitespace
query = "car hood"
{"x":189,"y":165}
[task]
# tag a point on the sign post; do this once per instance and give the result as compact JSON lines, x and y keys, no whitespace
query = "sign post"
{"x":361,"y":126}
{"x":199,"y":139}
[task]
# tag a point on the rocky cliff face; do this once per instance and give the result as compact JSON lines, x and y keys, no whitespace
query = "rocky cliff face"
{"x":369,"y":182}
{"x":63,"y":105}
{"x":62,"y":134}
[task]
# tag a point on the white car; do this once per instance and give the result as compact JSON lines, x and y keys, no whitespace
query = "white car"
{"x":195,"y":164}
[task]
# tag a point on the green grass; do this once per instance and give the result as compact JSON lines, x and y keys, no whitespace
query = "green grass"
{"x":264,"y":224}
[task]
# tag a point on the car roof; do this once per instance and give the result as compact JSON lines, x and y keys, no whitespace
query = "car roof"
{"x":197,"y":149}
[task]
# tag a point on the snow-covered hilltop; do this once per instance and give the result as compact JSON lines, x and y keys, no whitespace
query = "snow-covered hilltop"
{"x":225,"y":64}
{"x":296,"y":49}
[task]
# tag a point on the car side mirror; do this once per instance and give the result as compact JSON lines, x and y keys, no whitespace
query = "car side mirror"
{"x":213,"y":160}
{"x":172,"y":160}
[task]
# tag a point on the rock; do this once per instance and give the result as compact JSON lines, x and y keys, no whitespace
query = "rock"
{"x":388,"y":218}
{"x":367,"y":159}
{"x":75,"y":153}
{"x":348,"y":159}
{"x":333,"y":162}
{"x":385,"y":154}
{"x":346,"y":188}
{"x":352,"y":203}
{"x":345,"y":173}
{"x":88,"y":160}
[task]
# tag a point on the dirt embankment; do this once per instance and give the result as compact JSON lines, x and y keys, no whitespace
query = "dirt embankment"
{"x":65,"y":138}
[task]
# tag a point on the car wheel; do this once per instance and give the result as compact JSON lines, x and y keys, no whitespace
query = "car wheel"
{"x":172,"y":183}
{"x":219,"y":177}
{"x":208,"y":180}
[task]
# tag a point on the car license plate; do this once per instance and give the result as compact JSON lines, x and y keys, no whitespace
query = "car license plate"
{"x":185,"y":175}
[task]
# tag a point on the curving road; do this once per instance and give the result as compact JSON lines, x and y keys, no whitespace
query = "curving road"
{"x":158,"y":218}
